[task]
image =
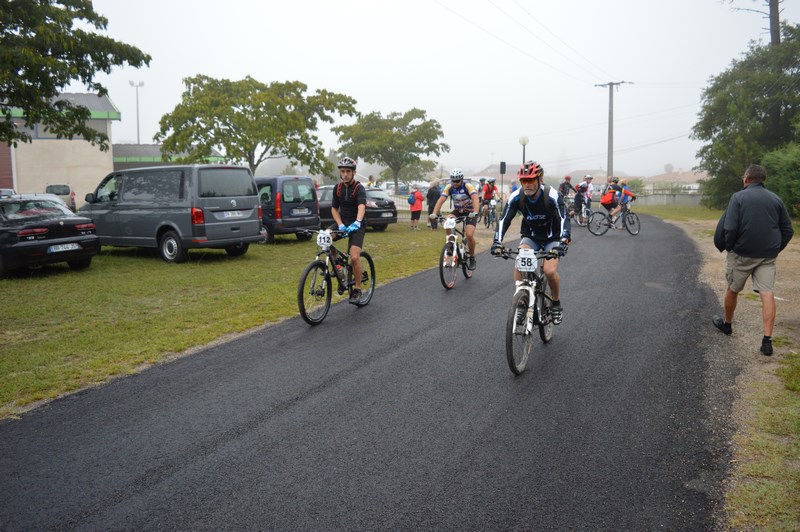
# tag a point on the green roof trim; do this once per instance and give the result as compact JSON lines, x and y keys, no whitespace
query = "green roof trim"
{"x":95,"y":115}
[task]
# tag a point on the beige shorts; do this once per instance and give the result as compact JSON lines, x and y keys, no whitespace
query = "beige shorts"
{"x":739,"y":268}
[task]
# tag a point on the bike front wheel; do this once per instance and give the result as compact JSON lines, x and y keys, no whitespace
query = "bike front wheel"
{"x":544,"y":305}
{"x":598,"y":223}
{"x":582,"y":218}
{"x":632,"y":223}
{"x":448,"y":265}
{"x":465,"y":259}
{"x":367,"y":279}
{"x":519,"y":337}
{"x":314,"y":293}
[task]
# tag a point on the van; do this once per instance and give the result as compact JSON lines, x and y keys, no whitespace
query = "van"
{"x":289,"y":205}
{"x":177,"y":208}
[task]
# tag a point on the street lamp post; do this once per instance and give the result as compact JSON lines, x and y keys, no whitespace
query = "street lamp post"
{"x":136,"y":86}
{"x":524,"y":141}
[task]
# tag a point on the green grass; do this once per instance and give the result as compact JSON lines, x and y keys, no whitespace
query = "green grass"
{"x":64,"y":330}
{"x":678,"y":213}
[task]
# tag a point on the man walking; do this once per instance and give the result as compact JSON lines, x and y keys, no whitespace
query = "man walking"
{"x":753,"y":230}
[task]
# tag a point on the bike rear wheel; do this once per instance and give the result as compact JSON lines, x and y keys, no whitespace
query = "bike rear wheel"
{"x":314,"y":293}
{"x":448,"y":265}
{"x":582,"y":217}
{"x":544,"y":306}
{"x":631,"y":222}
{"x":367,"y":279}
{"x":519,"y":337}
{"x":598,"y":223}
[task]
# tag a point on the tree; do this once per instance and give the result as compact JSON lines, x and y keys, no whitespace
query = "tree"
{"x":41,"y":52}
{"x":396,"y":141}
{"x":250,"y":122}
{"x":748,"y":111}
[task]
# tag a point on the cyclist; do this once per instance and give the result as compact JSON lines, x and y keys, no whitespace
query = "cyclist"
{"x":566,"y":186}
{"x":489,"y":191}
{"x":348,"y":207}
{"x":465,"y":203}
{"x":626,"y":194}
{"x":545,"y":225}
{"x":587,"y":195}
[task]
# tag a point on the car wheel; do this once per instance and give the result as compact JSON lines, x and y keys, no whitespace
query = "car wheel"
{"x":380,"y":227}
{"x":303,"y":237}
{"x":80,"y":264}
{"x":237,"y":250}
{"x":171,"y":249}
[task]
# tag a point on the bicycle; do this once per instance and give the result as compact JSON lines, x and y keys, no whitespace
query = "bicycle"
{"x":315,"y":288}
{"x":490,"y":219}
{"x":531,"y":306}
{"x":600,"y":222}
{"x":582,"y":217}
{"x":454,"y":252}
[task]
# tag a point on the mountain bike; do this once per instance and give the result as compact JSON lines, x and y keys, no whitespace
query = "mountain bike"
{"x":490,"y":215}
{"x":600,"y":222}
{"x":315,"y":289}
{"x":582,"y":217}
{"x":530,"y":306}
{"x":455,"y":252}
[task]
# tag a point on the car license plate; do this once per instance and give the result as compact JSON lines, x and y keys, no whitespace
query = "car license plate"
{"x":232,"y":214}
{"x":386,"y":215}
{"x":63,"y":247}
{"x":301,"y":210}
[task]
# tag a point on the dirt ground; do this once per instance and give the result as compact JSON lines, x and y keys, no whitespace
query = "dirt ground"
{"x":756,"y":370}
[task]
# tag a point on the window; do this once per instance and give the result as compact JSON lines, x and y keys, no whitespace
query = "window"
{"x":265,"y":194}
{"x":226,"y":182}
{"x":109,"y":188}
{"x":149,"y":186}
{"x":298,"y":191}
{"x":58,"y":190}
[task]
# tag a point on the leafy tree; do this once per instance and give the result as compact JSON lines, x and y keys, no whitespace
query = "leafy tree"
{"x":783,"y":175}
{"x":413,"y":172}
{"x":250,"y":122}
{"x":747,"y":112}
{"x":396,"y":141}
{"x":41,"y":52}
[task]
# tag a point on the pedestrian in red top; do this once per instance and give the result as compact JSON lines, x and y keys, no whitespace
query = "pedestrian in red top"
{"x":416,"y":206}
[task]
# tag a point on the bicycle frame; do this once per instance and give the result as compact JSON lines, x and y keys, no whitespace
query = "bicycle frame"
{"x":327,"y":249}
{"x":456,"y":235}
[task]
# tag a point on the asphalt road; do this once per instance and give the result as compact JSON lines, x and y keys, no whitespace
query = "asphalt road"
{"x":403,"y":414}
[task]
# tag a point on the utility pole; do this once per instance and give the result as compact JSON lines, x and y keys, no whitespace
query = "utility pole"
{"x":611,"y":85}
{"x":136,"y":86}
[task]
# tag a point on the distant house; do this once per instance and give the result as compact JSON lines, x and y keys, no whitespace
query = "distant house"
{"x":30,"y":167}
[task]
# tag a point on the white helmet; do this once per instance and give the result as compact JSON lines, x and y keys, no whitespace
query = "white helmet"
{"x":457,"y":174}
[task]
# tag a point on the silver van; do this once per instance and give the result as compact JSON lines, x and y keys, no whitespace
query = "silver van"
{"x":177,"y":208}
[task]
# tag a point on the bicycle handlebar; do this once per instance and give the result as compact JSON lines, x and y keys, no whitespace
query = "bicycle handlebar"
{"x":510,"y":253}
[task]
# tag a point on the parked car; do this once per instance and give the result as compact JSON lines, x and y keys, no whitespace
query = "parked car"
{"x":380,"y":212}
{"x":7,"y":192}
{"x":64,"y":192}
{"x":288,"y":205}
{"x":177,"y":208}
{"x":35,"y":231}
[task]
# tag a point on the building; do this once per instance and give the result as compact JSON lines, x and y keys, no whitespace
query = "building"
{"x":31,"y":166}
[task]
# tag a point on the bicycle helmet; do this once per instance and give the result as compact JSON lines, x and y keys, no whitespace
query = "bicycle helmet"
{"x":347,"y":162}
{"x":532,"y":170}
{"x":491,"y":180}
{"x":588,"y":176}
{"x":615,"y":180}
{"x":457,"y":174}
{"x":482,"y":180}
{"x":567,"y":178}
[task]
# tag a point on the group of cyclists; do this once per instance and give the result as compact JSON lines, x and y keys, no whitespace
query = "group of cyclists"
{"x":545,"y":221}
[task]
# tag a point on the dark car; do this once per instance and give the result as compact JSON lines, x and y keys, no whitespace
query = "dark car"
{"x":37,"y":231}
{"x":288,"y":205}
{"x":380,"y":212}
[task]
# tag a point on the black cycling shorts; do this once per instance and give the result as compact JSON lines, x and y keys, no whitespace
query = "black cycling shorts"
{"x":356,"y":237}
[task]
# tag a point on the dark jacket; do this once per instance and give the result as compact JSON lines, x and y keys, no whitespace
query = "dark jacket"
{"x":433,"y":195}
{"x":756,"y":224}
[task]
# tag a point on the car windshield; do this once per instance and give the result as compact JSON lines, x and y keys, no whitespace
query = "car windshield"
{"x":59,"y":190}
{"x":377,"y":195}
{"x":30,"y":209}
{"x":325,"y":194}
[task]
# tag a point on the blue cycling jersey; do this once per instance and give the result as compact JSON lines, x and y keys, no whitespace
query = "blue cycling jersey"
{"x":544,"y":218}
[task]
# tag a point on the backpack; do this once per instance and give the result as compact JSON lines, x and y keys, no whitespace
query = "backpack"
{"x":412,"y":199}
{"x":607,"y":198}
{"x":339,"y":190}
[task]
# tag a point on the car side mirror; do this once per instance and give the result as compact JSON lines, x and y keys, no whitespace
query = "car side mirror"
{"x":89,"y":198}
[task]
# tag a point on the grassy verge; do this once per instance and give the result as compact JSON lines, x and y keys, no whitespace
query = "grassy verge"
{"x":65,"y":330}
{"x":765,"y":484}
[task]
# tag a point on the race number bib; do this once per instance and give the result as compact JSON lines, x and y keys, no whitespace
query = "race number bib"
{"x":324,"y":239}
{"x":449,"y":223}
{"x":492,"y":202}
{"x":526,"y":260}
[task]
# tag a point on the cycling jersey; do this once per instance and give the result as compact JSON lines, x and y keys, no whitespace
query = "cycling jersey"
{"x":488,"y":191}
{"x":544,"y":219}
{"x":347,"y":198}
{"x":462,"y":197}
